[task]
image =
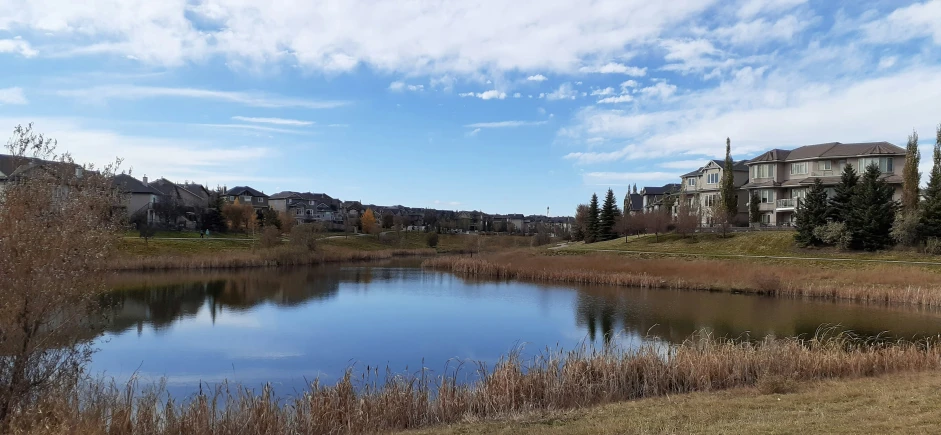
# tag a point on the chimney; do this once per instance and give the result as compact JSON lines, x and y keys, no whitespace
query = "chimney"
{"x":144,"y":179}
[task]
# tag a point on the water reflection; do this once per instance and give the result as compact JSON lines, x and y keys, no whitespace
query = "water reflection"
{"x":288,"y":325}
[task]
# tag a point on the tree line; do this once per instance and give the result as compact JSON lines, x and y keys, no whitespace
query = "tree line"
{"x":862,"y":213}
{"x":676,"y":211}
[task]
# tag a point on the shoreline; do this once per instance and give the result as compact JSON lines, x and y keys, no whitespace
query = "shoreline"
{"x":883,"y":284}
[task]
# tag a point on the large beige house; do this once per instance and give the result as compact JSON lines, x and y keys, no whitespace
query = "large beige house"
{"x":702,"y":188}
{"x":782,"y":178}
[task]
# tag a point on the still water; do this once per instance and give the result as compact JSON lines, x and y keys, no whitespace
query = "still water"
{"x":289,"y":326}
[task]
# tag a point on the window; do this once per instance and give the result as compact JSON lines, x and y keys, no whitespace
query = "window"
{"x":231,"y":198}
{"x":798,"y":168}
{"x":824,"y":165}
{"x":712,"y":178}
{"x":799,"y":193}
{"x":763,"y":171}
{"x":247,"y":198}
{"x":884,"y":164}
{"x":830,"y":191}
{"x":298,"y":211}
{"x":710,"y":200}
{"x":691,"y":182}
{"x":766,"y":196}
{"x":259,"y":199}
{"x":766,"y":218}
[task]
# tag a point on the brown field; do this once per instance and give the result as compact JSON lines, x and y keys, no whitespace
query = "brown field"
{"x":552,"y":382}
{"x":902,"y":403}
{"x":882,"y":283}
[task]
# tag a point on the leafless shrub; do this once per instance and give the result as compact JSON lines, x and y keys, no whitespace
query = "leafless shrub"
{"x":58,"y":223}
{"x":270,"y":237}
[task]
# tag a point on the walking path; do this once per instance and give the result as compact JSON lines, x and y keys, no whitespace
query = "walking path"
{"x":770,"y":257}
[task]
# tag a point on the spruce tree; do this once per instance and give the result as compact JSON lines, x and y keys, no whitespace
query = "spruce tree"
{"x":910,"y":176}
{"x":841,"y":202}
{"x":931,"y":211}
{"x":609,"y":217}
{"x":727,"y":190}
{"x":872,"y":212}
{"x":591,"y":230}
{"x":811,"y":213}
{"x":754,"y":212}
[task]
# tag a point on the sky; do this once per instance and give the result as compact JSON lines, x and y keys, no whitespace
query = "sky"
{"x":492,"y":105}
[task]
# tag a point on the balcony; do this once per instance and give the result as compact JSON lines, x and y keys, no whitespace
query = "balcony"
{"x":787,"y":204}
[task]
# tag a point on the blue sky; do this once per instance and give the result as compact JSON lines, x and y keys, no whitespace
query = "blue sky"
{"x":489,"y":105}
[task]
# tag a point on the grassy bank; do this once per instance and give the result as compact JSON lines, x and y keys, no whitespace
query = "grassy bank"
{"x":242,"y":258}
{"x":892,"y":404}
{"x":553,"y":382}
{"x":876,"y":283}
{"x":759,"y":243}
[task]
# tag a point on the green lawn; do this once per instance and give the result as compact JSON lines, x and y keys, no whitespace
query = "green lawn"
{"x":771,"y":243}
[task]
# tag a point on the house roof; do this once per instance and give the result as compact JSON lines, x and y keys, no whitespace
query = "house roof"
{"x":637,"y":202}
{"x":666,"y":188}
{"x":129,"y":184}
{"x":832,"y":149}
{"x":240,"y":190}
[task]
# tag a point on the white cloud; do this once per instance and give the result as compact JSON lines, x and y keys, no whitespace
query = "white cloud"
{"x":618,"y":99}
{"x":565,"y":92}
{"x":413,"y":38}
{"x":602,"y":92}
{"x":438,"y":202}
{"x":628,"y":84}
{"x":473,"y":132}
{"x":537,"y":78}
{"x":887,"y":62}
{"x":276,"y":121}
{"x":691,"y":55}
{"x":752,"y":8}
{"x":517,"y":95}
{"x":131,"y":92}
{"x":18,"y":46}
{"x":690,"y":165}
{"x":914,"y":21}
{"x":505,"y":124}
{"x":761,"y":30}
{"x":623,"y":178}
{"x":661,"y":90}
{"x":697,"y":124}
{"x":175,"y":158}
{"x":400,"y":86}
{"x":12,"y":96}
{"x":615,"y":68}
{"x":254,"y":127}
{"x":486,"y":95}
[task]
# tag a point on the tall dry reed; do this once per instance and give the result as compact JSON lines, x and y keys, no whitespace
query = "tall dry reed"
{"x":552,"y":381}
{"x":278,"y":256}
{"x":880,"y":283}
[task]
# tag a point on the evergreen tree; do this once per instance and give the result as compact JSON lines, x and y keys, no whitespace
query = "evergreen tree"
{"x":635,"y":188}
{"x":841,"y":202}
{"x":872,"y":212}
{"x":910,"y":176}
{"x":609,"y":217}
{"x":727,"y":190}
{"x":593,"y":225}
{"x":811,"y":213}
{"x":754,"y":213}
{"x":931,"y":213}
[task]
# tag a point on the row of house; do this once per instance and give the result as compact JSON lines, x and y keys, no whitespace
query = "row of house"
{"x":781,"y":178}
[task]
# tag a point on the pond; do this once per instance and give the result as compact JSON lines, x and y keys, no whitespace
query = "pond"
{"x":289,"y":326}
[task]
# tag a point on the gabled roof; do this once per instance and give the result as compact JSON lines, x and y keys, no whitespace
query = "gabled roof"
{"x":831,"y":149}
{"x":637,"y":202}
{"x":128,"y":184}
{"x":666,"y":188}
{"x":284,"y":195}
{"x":241,"y":190}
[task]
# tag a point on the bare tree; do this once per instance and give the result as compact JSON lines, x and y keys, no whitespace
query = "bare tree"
{"x":687,"y":215}
{"x":58,"y":223}
{"x":657,"y":222}
{"x":722,"y":218}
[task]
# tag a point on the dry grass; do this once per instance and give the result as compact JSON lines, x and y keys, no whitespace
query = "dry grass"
{"x":553,"y":381}
{"x":278,"y":256}
{"x":878,"y":283}
{"x":904,"y":403}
